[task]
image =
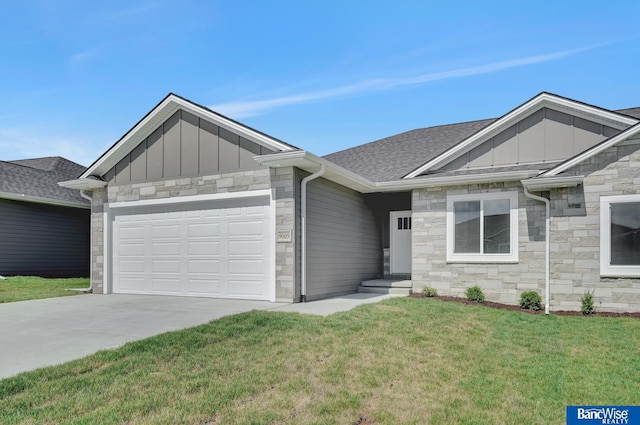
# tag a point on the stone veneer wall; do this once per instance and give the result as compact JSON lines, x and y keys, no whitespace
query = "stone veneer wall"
{"x":575,"y":232}
{"x":280,"y":180}
{"x":501,"y":282}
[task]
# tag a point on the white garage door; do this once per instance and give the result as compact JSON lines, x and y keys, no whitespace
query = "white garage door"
{"x":216,"y":249}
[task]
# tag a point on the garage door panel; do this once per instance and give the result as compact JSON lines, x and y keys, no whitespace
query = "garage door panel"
{"x":204,"y":229}
{"x":253,"y":248}
{"x":217,"y":249}
{"x":166,"y":285}
{"x":167,"y":231}
{"x":132,"y":249}
{"x":246,"y":267}
{"x":204,"y":286}
{"x":246,"y":228}
{"x":166,"y":248}
{"x":136,"y":233}
{"x":161,"y":265}
{"x":133,"y":284}
{"x":245,"y":287}
{"x":203,"y":247}
{"x":209,"y":265}
{"x":131,"y":265}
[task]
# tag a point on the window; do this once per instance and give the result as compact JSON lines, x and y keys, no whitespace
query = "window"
{"x":620,"y":235}
{"x":482,"y":227}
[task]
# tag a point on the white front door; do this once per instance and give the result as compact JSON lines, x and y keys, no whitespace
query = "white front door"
{"x":400,"y":233}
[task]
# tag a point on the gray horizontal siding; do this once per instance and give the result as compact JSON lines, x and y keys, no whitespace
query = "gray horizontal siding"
{"x":343,"y":241}
{"x":43,"y":240}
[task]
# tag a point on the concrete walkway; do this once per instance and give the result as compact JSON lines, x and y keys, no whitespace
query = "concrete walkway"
{"x":40,"y":333}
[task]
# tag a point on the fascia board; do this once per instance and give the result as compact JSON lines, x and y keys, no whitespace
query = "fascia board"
{"x":538,"y":184}
{"x":538,"y":102}
{"x":83,"y":184}
{"x":589,"y":153}
{"x":161,"y":113}
{"x":312,"y":163}
{"x":40,"y":200}
{"x":406,"y":184}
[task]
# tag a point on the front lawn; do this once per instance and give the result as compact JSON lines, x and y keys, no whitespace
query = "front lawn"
{"x":22,"y":288}
{"x":402,"y":361}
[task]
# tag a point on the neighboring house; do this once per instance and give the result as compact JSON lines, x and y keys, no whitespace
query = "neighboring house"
{"x":189,"y":202}
{"x":44,"y":228}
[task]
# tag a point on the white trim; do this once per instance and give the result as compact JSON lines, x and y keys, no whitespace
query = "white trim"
{"x":192,"y":198}
{"x":589,"y":153}
{"x":538,"y":102}
{"x":511,"y":257}
{"x":83,"y":184}
{"x":312,"y":163}
{"x":606,"y":269}
{"x":538,"y":184}
{"x":39,"y":200}
{"x":107,"y":285}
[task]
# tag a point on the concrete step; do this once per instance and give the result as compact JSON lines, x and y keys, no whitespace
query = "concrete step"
{"x":383,"y":290}
{"x":387,"y":283}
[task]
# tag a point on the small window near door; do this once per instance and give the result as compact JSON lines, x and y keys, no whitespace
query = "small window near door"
{"x":404,"y":223}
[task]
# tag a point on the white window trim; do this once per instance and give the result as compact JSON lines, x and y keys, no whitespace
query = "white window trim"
{"x":511,"y":257}
{"x":606,"y":269}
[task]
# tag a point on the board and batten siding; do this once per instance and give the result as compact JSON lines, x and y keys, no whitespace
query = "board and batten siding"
{"x":544,"y":136}
{"x":186,"y":145}
{"x":343,"y":241}
{"x":43,"y":240}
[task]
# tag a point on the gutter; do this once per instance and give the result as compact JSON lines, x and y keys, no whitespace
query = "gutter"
{"x":90,"y":288}
{"x":547,"y":290}
{"x":303,"y":214}
{"x":40,"y":200}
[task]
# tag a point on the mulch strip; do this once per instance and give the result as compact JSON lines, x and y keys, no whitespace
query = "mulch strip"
{"x":518,"y":308}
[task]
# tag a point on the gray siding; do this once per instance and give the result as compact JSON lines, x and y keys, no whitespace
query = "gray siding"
{"x":43,"y":240}
{"x":343,"y":242}
{"x":186,"y":145}
{"x":544,"y":136}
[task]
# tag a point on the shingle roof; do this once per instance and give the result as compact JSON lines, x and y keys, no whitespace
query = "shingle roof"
{"x":633,"y":112}
{"x":393,"y":157}
{"x":39,"y":177}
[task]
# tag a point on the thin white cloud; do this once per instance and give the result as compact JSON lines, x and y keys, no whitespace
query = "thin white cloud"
{"x":31,"y":142}
{"x":82,"y":57}
{"x":258,"y":107}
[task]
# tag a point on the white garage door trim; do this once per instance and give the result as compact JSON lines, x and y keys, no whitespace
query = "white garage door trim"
{"x":115,"y":208}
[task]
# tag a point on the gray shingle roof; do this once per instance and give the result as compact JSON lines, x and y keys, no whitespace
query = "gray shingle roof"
{"x":394,"y":157}
{"x":39,"y":177}
{"x":633,"y":112}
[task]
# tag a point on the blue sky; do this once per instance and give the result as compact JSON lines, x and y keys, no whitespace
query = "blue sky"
{"x":324,"y":76}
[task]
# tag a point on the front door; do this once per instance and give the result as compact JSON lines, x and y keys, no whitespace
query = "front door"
{"x":400,"y":242}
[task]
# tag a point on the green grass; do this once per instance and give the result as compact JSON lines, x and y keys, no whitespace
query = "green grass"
{"x":23,"y":288}
{"x":402,"y":361}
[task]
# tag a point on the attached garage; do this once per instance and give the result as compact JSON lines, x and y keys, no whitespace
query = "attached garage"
{"x":194,"y":246}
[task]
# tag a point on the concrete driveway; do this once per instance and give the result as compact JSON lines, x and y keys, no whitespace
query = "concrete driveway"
{"x":40,"y":333}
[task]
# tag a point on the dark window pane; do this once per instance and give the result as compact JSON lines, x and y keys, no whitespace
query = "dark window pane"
{"x":625,"y":238}
{"x":497,"y":234}
{"x":399,"y":223}
{"x":467,"y":227}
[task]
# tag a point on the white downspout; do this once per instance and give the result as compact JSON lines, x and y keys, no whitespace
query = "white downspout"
{"x":90,"y":199}
{"x":303,"y":217}
{"x":547,"y":243}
